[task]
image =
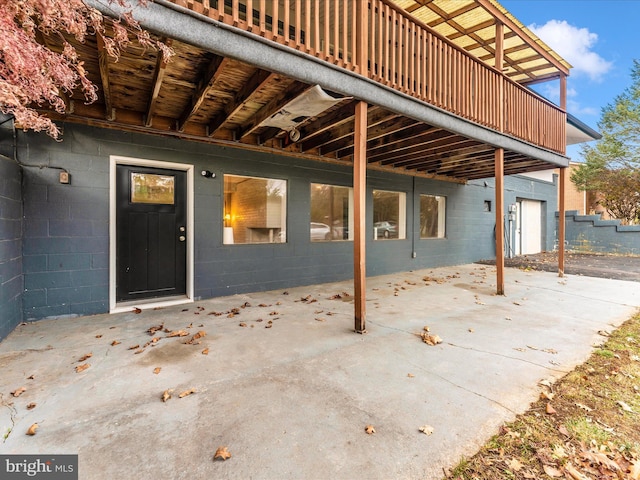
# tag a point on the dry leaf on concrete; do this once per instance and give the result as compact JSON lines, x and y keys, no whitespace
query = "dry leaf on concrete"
{"x":166,"y":395}
{"x":222,"y":453}
{"x":426,"y":429}
{"x":178,"y":333}
{"x":137,"y":310}
{"x":156,"y":328}
{"x":31,"y":406}
{"x":114,"y":343}
{"x":430,"y":339}
{"x":157,"y":370}
{"x":83,"y":367}
{"x":369,"y":430}
{"x":205,"y":351}
{"x":85,"y":357}
{"x":187,"y":392}
{"x":32,"y":429}
{"x":19,"y":391}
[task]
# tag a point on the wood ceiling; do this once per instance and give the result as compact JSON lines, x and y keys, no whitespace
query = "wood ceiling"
{"x":201,"y":96}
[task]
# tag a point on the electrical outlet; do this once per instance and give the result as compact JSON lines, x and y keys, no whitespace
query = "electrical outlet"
{"x":65,"y":177}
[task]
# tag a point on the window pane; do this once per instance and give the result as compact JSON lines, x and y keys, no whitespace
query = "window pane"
{"x":331,"y":217}
{"x":255,"y":210}
{"x":389,"y":214}
{"x":432,"y":216}
{"x":151,"y":188}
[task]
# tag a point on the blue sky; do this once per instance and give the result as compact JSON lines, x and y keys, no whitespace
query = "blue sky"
{"x":600,"y":38}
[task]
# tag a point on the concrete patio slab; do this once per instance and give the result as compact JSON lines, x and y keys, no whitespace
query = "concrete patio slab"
{"x":292,"y":401}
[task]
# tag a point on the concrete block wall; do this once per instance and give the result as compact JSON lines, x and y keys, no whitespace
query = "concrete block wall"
{"x":589,"y":234}
{"x":11,"y":279}
{"x":66,"y":239}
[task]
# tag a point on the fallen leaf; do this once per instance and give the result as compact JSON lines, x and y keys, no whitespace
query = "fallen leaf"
{"x":515,"y":465}
{"x":320,"y":319}
{"x":19,"y":391}
{"x":166,"y":395}
{"x":114,"y":343}
{"x":634,"y":469}
{"x":369,"y":429}
{"x":157,"y":328}
{"x":563,"y":430}
{"x":137,"y":310}
{"x":85,"y":357}
{"x":242,"y":324}
{"x":157,"y":370}
{"x":98,"y":336}
{"x":186,"y":393}
{"x":552,"y":471}
{"x":550,"y":410}
{"x":31,"y":377}
{"x":83,"y":367}
{"x":426,"y":429}
{"x":575,"y":474}
{"x":193,"y":340}
{"x":624,"y":406}
{"x":430,"y":339}
{"x":31,"y":406}
{"x":206,"y":350}
{"x":559,"y":452}
{"x":222,"y":452}
{"x":32,"y":429}
{"x":410,"y":375}
{"x":547,"y":395}
{"x":178,"y":333}
{"x":133,"y":347}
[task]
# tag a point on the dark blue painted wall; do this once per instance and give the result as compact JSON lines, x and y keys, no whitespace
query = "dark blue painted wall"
{"x":11,"y":280}
{"x":587,"y":233}
{"x":66,"y":240}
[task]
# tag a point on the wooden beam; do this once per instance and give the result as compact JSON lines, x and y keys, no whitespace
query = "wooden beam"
{"x":214,"y":70}
{"x":103,"y":61}
{"x":499,"y":172}
{"x":258,"y":80}
{"x":360,"y":209}
{"x":158,"y":76}
{"x":499,"y":64}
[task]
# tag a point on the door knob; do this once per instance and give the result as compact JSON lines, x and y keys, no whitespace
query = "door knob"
{"x":182,"y":238}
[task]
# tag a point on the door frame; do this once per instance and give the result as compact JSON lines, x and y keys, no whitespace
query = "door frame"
{"x":117,"y":307}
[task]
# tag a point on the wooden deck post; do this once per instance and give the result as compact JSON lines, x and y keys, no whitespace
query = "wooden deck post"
{"x":360,"y":209}
{"x":499,"y":166}
{"x":562,"y":186}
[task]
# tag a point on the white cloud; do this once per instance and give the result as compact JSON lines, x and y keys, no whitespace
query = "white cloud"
{"x":551,"y":91}
{"x":574,"y":45}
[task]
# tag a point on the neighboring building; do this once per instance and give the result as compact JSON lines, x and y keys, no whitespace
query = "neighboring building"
{"x":240,"y":164}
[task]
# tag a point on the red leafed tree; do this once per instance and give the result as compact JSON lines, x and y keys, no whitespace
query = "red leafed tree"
{"x":33,"y":76}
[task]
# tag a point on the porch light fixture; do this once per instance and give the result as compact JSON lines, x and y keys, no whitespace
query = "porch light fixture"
{"x":294,"y":134}
{"x":208,"y":174}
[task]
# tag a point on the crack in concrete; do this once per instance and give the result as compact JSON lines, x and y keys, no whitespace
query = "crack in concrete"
{"x":12,"y":416}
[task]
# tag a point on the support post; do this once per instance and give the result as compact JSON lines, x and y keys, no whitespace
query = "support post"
{"x":499,"y":169}
{"x":562,"y":185}
{"x":562,"y":188}
{"x":360,"y":208}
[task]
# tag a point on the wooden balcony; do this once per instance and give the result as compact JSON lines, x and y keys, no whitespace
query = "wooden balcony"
{"x":435,"y":109}
{"x":395,"y":50}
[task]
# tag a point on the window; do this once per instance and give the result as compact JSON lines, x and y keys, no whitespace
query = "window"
{"x":331,"y":213}
{"x":255,"y":210}
{"x":389,"y":214}
{"x":151,"y":188}
{"x":432,"y":216}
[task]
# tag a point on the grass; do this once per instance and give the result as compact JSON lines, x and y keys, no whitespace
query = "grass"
{"x":585,"y":426}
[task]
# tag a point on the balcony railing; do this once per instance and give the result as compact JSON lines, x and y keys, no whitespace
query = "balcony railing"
{"x":400,"y":52}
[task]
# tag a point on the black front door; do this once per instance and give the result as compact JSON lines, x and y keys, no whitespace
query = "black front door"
{"x":151,"y":232}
